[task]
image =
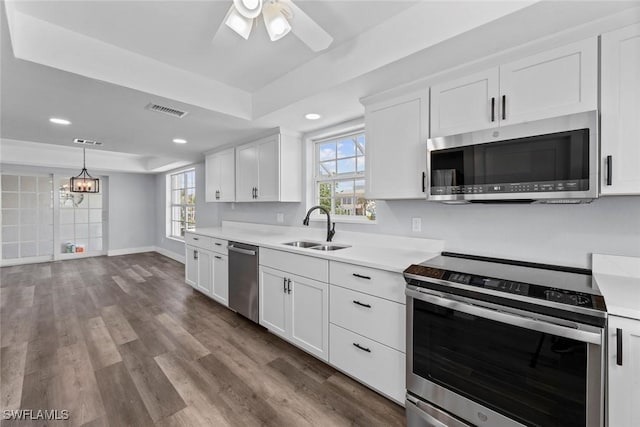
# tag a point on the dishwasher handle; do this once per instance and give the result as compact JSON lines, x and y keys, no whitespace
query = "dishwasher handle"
{"x":241,"y":251}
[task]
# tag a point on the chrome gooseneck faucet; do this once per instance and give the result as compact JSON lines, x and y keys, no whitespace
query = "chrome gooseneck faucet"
{"x":331,"y":231}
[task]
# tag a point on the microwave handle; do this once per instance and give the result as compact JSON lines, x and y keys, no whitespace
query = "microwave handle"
{"x":508,"y":318}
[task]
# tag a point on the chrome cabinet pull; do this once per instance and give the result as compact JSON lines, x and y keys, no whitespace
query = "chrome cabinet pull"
{"x":424,"y":177}
{"x":361,"y":347}
{"x":284,"y":285}
{"x":609,"y":170}
{"x":289,"y":286}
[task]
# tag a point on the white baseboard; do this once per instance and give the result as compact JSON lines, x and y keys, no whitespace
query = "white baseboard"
{"x":127,"y":251}
{"x":170,"y":254}
{"x":23,"y":261}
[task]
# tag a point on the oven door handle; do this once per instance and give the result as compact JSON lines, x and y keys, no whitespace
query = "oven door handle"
{"x":508,"y":318}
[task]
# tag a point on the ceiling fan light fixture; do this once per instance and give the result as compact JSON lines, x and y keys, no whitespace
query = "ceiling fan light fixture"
{"x":248,"y":8}
{"x":239,"y":23}
{"x":277,"y":24}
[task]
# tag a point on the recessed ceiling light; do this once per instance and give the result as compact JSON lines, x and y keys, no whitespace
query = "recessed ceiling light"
{"x":59,"y":121}
{"x":179,"y":141}
{"x":312,"y":116}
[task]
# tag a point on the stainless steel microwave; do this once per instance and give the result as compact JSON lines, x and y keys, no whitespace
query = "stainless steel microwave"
{"x":545,"y":161}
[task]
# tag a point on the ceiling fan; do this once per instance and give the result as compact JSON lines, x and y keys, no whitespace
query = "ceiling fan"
{"x":280,"y":18}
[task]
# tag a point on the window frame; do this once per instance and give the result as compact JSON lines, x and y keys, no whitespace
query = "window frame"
{"x":316,"y":179}
{"x":183,"y":206}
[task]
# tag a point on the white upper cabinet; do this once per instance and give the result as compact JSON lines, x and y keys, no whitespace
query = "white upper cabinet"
{"x":465,"y":104}
{"x":397,"y":130}
{"x":220,"y":176}
{"x":269,"y":170}
{"x":553,"y":83}
{"x":620,"y":111}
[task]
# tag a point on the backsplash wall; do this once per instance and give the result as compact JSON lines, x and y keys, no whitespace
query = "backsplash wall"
{"x":555,"y":234}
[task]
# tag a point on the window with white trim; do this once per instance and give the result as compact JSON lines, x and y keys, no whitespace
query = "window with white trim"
{"x":181,"y":195}
{"x":339,"y":164}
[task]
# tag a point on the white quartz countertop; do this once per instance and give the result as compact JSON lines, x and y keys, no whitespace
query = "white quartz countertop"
{"x":390,"y":253}
{"x":618,"y":279}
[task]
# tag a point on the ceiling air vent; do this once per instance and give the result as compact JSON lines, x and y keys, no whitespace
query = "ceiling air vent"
{"x":166,"y":110}
{"x":86,"y":142}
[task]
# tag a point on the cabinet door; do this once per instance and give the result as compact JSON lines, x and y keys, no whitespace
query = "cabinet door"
{"x":212,"y":177}
{"x":268,"y":182}
{"x":397,"y":132}
{"x":624,"y":380}
{"x":620,"y":112}
{"x":246,"y":172}
{"x":205,"y":272}
{"x":191,"y":266}
{"x":310,"y":316}
{"x":553,"y":83}
{"x":227,"y":166}
{"x":465,"y":104}
{"x":274,"y":301}
{"x":220,"y":290}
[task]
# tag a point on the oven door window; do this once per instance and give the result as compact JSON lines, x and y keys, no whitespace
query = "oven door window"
{"x":534,"y":378}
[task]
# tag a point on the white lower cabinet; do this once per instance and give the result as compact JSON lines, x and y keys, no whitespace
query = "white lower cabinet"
{"x":623,"y":397}
{"x":220,"y":288}
{"x":296,"y":308}
{"x":191,"y":266}
{"x":377,"y":365}
{"x":205,"y":272}
{"x":206,"y":266}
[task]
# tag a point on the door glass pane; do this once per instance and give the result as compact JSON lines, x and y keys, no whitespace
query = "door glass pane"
{"x":535,"y":378}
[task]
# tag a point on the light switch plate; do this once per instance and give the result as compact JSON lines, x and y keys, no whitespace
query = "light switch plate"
{"x":279,"y":217}
{"x":416,"y":224}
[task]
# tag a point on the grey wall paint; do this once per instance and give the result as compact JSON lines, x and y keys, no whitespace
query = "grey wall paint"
{"x":132,"y":218}
{"x":130,"y":205}
{"x":557,"y":234}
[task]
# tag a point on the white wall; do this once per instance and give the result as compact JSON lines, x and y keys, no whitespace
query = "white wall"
{"x":132,"y":214}
{"x":130,"y":200}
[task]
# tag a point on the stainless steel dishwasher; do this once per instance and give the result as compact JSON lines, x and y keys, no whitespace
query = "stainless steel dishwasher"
{"x":243,"y":279}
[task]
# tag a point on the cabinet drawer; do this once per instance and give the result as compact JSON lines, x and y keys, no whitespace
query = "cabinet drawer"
{"x":219,"y":246}
{"x":301,"y":265}
{"x":376,"y":318}
{"x":376,"y":365}
{"x":371,"y":281}
{"x":198,"y":240}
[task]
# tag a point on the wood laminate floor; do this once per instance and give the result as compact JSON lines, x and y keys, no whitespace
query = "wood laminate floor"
{"x":122,"y":341}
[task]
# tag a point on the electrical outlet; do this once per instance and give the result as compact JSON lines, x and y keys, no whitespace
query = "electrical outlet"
{"x":279,"y":217}
{"x":416,"y":224}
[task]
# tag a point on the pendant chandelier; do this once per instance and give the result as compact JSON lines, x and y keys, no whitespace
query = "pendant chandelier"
{"x":84,"y":183}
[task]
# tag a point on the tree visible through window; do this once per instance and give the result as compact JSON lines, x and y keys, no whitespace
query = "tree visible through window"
{"x":182,"y":206}
{"x":340,"y":182}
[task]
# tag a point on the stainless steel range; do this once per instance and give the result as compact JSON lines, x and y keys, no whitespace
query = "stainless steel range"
{"x":494,"y":342}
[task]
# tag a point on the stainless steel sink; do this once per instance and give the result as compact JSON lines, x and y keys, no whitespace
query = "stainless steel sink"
{"x":302,"y":244}
{"x":329,"y":247}
{"x":316,"y":246}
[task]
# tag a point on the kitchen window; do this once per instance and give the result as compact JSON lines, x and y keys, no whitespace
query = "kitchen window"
{"x":182,"y":203}
{"x":339,"y":177}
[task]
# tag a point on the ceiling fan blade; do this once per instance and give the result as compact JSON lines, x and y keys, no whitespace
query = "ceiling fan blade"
{"x":235,"y":21}
{"x":306,"y":29}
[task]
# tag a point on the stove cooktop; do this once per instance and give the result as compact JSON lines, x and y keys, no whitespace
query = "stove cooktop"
{"x":499,"y":280}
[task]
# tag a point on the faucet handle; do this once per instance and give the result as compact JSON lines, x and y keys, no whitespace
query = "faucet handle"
{"x":332,"y":232}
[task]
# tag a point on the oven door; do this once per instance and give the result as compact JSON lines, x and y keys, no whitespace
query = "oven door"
{"x":497,"y":366}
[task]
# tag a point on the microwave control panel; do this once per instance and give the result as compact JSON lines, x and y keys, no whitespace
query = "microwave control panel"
{"x":516,"y":187}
